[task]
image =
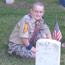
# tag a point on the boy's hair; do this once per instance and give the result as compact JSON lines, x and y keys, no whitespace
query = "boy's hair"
{"x":37,"y":4}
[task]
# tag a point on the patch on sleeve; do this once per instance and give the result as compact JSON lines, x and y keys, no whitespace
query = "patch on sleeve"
{"x":25,"y":28}
{"x":27,"y":20}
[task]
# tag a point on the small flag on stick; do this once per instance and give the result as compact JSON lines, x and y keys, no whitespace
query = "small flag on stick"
{"x":57,"y":33}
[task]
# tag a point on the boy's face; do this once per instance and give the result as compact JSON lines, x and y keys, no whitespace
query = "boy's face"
{"x":37,"y":12}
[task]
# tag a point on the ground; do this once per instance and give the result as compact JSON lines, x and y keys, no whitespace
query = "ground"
{"x":17,"y":4}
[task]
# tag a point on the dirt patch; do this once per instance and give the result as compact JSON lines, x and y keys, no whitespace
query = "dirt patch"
{"x":17,"y":4}
{"x":22,"y":4}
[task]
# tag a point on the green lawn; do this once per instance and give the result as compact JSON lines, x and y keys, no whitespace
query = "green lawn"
{"x":11,"y":14}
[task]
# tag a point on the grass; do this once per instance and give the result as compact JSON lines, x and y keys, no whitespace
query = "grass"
{"x":10,"y":15}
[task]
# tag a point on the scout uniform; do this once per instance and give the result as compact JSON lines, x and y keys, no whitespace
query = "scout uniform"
{"x":25,"y":28}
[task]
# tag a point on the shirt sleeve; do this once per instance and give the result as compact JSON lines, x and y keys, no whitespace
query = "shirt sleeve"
{"x":23,"y":26}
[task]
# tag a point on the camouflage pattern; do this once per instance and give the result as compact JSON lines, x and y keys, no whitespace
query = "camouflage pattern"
{"x":19,"y":50}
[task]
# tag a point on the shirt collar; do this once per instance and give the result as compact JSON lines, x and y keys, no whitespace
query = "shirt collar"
{"x":33,"y":19}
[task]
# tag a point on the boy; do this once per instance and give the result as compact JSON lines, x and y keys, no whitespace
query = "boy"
{"x":23,"y":38}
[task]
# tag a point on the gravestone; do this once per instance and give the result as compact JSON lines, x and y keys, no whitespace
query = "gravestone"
{"x":10,"y":1}
{"x":48,"y":52}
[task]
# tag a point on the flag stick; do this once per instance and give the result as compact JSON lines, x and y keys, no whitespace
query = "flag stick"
{"x":56,"y":17}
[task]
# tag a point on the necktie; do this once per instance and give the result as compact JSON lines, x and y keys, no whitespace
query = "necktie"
{"x":34,"y":37}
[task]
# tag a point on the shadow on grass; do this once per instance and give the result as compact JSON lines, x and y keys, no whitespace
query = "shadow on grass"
{"x":13,"y":59}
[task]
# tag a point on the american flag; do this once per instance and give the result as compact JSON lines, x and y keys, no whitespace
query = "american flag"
{"x":57,"y":33}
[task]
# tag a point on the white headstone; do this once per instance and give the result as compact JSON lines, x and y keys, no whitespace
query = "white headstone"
{"x":48,"y":52}
{"x":10,"y":1}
